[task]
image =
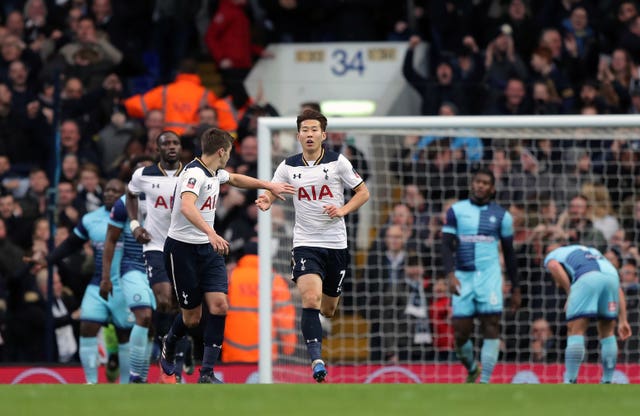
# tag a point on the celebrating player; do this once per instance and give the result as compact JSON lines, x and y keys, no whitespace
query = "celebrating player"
{"x":320,"y":253}
{"x":157,"y":184}
{"x":194,"y":251}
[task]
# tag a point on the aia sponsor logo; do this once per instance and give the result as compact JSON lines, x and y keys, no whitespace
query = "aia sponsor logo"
{"x":313,"y":193}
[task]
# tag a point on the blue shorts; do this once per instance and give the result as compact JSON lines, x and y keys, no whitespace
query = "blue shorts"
{"x":136,"y":290}
{"x":480,"y":293}
{"x":332,"y":265}
{"x":594,"y":295}
{"x":154,"y":263}
{"x":195,"y":269}
{"x":96,"y":309}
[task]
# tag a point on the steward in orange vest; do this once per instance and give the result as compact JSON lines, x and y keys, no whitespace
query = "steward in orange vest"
{"x":180,"y":101}
{"x":241,"y":332}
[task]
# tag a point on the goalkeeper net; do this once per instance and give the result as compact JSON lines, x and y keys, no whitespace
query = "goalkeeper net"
{"x":570,"y":177}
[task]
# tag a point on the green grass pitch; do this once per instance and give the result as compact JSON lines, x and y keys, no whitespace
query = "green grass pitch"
{"x":321,"y":400}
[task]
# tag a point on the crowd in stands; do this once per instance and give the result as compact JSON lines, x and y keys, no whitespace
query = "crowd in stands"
{"x":105,"y":77}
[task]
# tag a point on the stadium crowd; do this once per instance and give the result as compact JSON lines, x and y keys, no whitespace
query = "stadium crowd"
{"x":126,"y":71}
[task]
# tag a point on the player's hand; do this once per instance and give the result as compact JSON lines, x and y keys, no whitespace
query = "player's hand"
{"x":277,"y":189}
{"x":516,"y":299}
{"x":106,"y":288}
{"x":624,"y":330}
{"x":332,"y":211}
{"x":454,"y":284}
{"x":141,"y":235}
{"x":263,"y":202}
{"x":219,"y":244}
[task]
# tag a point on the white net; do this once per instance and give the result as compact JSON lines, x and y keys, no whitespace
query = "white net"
{"x":390,"y":328}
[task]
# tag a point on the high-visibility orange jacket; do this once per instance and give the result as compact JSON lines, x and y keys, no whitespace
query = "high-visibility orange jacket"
{"x":180,"y":101}
{"x":241,"y":331}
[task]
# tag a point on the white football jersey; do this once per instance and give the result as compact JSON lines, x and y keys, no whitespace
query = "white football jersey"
{"x":158,"y":186}
{"x":198,"y":179}
{"x":317,"y":184}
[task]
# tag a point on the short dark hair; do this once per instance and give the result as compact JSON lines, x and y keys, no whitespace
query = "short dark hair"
{"x":165,"y":133}
{"x":188,"y":66}
{"x":312,"y":105}
{"x":309,"y":114}
{"x":214,"y":139}
{"x":483,"y":170}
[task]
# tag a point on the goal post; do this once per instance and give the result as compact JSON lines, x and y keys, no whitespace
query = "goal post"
{"x":567,"y":127}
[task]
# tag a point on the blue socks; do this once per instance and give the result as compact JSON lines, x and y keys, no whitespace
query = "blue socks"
{"x":312,"y":332}
{"x":465,"y":354}
{"x":488,"y":358}
{"x":123,"y":360}
{"x":609,"y":356}
{"x":89,"y":358}
{"x":573,"y":355}
{"x":138,"y":351}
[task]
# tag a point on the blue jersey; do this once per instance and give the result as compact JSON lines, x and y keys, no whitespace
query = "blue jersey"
{"x":479,"y":228}
{"x":579,"y":260}
{"x":93,"y":227}
{"x":132,"y":252}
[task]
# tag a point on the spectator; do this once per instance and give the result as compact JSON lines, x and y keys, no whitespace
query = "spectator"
{"x":524,"y":29}
{"x":11,"y":181}
{"x":68,"y":212}
{"x":434,"y":90}
{"x":40,"y":235}
{"x":616,"y":75}
{"x":77,"y":268}
{"x":546,"y":71}
{"x":385,"y":267}
{"x":440,"y":316}
{"x":229,"y":41}
{"x":502,"y":62}
{"x":66,"y":314}
{"x":543,"y":343}
{"x":180,"y":101}
{"x":34,"y":203}
{"x":630,"y":41}
{"x":577,"y":171}
{"x":89,"y":38}
{"x":18,"y":228}
{"x":24,"y":139}
{"x":10,"y":255}
{"x":634,"y":108}
{"x":70,"y":171}
{"x":578,"y":228}
{"x":468,"y":68}
{"x":514,"y":100}
{"x":601,"y":208}
{"x":591,"y":95}
{"x":89,"y":189}
{"x":527,"y":180}
{"x":405,"y":319}
{"x":630,"y":348}
{"x":464,"y":148}
{"x":580,"y":39}
{"x":544,"y":102}
{"x":616,"y":25}
{"x":72,"y":142}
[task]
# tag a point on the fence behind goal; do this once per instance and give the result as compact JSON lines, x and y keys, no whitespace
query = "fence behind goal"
{"x":388,"y":324}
